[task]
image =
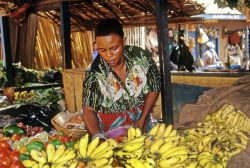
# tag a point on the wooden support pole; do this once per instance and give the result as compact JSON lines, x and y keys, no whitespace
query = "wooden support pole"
{"x":65,"y":34}
{"x":165,"y":67}
{"x":6,"y":48}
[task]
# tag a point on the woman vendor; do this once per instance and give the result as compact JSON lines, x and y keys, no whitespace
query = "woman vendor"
{"x":121,"y":85}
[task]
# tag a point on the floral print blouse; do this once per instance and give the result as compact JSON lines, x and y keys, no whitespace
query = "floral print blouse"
{"x":105,"y":92}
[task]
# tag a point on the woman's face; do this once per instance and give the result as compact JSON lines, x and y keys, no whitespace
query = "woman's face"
{"x":110,"y":48}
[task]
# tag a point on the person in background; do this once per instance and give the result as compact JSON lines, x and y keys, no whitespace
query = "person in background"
{"x":95,"y":52}
{"x":210,"y":57}
{"x":121,"y":86}
{"x":181,"y":55}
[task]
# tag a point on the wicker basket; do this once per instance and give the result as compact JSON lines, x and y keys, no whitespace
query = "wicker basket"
{"x":57,"y":122}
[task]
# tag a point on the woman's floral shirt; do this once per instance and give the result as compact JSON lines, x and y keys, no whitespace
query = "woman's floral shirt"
{"x":105,"y":92}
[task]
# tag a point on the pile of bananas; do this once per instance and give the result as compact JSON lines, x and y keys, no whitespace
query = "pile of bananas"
{"x":211,"y":144}
{"x":94,"y":154}
{"x":52,"y":157}
{"x":25,"y":95}
{"x":222,"y":135}
{"x":160,"y":148}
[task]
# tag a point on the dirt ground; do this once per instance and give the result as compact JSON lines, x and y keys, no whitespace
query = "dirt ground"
{"x":238,"y":95}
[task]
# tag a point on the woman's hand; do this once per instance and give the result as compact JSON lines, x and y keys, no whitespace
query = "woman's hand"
{"x":139,"y":123}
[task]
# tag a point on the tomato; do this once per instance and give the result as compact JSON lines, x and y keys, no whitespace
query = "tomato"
{"x":4,"y":152}
{"x":64,"y":139}
{"x":14,"y":156}
{"x":16,"y":137}
{"x":17,"y":164}
{"x":2,"y":166}
{"x":4,"y":145}
{"x":5,"y":160}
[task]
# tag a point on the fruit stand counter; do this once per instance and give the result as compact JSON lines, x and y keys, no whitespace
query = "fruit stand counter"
{"x":207,"y":79}
{"x":188,"y":86}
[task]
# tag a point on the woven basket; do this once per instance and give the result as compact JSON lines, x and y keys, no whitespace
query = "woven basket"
{"x":57,"y":122}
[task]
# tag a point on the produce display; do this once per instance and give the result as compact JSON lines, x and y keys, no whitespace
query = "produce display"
{"x":211,"y":144}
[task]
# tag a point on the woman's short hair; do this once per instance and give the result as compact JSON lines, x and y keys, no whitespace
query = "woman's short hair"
{"x":109,"y":26}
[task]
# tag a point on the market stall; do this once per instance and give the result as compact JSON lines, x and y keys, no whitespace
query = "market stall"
{"x":39,"y":138}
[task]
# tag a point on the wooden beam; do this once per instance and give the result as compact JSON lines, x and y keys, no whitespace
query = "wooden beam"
{"x":166,"y":87}
{"x":6,"y":49}
{"x":65,"y":34}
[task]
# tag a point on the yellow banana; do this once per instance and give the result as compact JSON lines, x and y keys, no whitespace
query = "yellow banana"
{"x":151,"y":161}
{"x":109,"y":148}
{"x":112,"y":142}
{"x":131,"y":133}
{"x":204,"y":161}
{"x":73,"y":164}
{"x":173,"y":133}
{"x":193,"y":164}
{"x":203,"y":142}
{"x":100,"y":148}
{"x":156,"y":145}
{"x":140,"y":139}
{"x":107,"y":154}
{"x":46,"y":166}
{"x":59,"y":152}
{"x":179,"y":150}
{"x":183,"y":158}
{"x":130,"y":147}
{"x":160,"y":130}
{"x":107,"y":166}
{"x":83,"y":144}
{"x":92,"y":146}
{"x":205,"y":154}
{"x":124,"y":154}
{"x":138,"y":132}
{"x":154,"y":130}
{"x":168,"y":130}
{"x":100,"y":162}
{"x":40,"y":165}
{"x":168,"y":162}
{"x":37,"y":156}
{"x":28,"y":163}
{"x":50,"y":150}
{"x":35,"y":165}
{"x":136,"y":163}
{"x":165,"y":147}
{"x":66,"y":157}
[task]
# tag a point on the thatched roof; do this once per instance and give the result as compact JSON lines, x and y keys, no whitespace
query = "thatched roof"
{"x":85,"y":13}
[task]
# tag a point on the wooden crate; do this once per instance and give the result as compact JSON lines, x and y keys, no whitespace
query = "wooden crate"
{"x":72,"y":85}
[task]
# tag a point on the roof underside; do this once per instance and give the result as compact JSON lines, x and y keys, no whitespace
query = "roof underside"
{"x":85,"y":13}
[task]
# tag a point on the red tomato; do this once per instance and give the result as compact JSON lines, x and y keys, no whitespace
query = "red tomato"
{"x":2,"y":166}
{"x":4,"y":145}
{"x":16,"y":137}
{"x":4,"y":152}
{"x":5,"y":160}
{"x":64,"y":139}
{"x":17,"y":164}
{"x":14,"y":156}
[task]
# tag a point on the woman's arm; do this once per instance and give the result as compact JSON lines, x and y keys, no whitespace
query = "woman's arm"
{"x":148,"y":105}
{"x":91,"y":121}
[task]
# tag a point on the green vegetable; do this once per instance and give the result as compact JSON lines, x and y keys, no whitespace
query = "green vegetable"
{"x":70,"y":144}
{"x":10,"y":130}
{"x":24,"y":156}
{"x":56,"y":142}
{"x":35,"y":145}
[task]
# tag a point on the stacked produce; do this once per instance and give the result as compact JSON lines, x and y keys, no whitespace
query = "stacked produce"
{"x":24,"y":95}
{"x":211,"y":144}
{"x":222,"y":135}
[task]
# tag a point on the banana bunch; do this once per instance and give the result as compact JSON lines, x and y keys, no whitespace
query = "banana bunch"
{"x":133,"y":133}
{"x":142,"y":163}
{"x":222,"y":135}
{"x":160,"y":130}
{"x":52,"y":157}
{"x":24,"y":95}
{"x":95,"y":154}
